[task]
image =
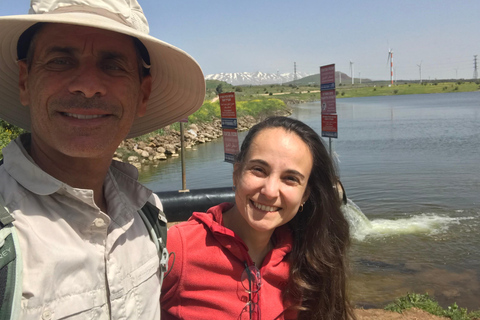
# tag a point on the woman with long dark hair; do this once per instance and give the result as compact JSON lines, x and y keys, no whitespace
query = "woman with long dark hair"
{"x":279,"y":252}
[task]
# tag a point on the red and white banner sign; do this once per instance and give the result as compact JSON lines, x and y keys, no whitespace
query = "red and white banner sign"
{"x":329,"y":126}
{"x":329,"y":101}
{"x":228,"y":107}
{"x":230,"y":144}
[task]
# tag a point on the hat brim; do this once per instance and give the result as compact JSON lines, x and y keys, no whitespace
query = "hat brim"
{"x":178,"y":84}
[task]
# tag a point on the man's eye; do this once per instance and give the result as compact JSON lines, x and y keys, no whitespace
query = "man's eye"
{"x":112,"y":66}
{"x":60,"y":61}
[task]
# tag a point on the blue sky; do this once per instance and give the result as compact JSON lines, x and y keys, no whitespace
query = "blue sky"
{"x":269,"y":36}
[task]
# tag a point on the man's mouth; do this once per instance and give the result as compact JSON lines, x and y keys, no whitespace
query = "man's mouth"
{"x":84,"y":116}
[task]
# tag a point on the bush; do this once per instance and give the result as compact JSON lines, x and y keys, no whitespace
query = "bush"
{"x":259,"y":108}
{"x":8,"y":132}
{"x":207,"y":112}
{"x":428,"y":304}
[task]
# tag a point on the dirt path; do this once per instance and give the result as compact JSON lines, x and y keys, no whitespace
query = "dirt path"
{"x":411,"y":314}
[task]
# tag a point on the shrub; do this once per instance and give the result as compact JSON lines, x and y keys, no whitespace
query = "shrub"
{"x":259,"y":108}
{"x":207,"y":112}
{"x":428,"y":304}
{"x":8,"y":132}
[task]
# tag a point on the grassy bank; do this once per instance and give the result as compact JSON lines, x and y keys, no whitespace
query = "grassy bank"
{"x":312,"y":92}
{"x":428,"y":304}
{"x":407,"y":88}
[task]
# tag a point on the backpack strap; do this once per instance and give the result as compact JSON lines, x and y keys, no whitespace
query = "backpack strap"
{"x":10,"y":266}
{"x":156,"y":223}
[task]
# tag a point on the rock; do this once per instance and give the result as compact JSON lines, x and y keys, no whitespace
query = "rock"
{"x":160,"y":156}
{"x":193,"y":127}
{"x":170,"y":149}
{"x":132,"y":159}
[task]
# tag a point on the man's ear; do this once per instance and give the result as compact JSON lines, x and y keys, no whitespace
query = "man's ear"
{"x":22,"y":82}
{"x":146,"y":89}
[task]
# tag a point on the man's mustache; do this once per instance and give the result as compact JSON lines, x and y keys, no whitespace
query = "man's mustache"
{"x":79,"y":102}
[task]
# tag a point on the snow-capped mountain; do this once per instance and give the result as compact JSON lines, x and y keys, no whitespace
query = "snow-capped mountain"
{"x":254,"y":78}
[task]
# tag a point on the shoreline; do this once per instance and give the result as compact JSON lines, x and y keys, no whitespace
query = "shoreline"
{"x":160,"y":147}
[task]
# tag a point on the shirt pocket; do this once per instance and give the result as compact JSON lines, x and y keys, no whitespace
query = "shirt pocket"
{"x":140,"y":294}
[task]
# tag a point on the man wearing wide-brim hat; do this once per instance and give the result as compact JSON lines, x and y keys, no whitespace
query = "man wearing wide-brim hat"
{"x":81,"y":76}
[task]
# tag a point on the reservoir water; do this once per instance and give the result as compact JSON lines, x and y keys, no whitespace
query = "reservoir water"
{"x":411,"y":168}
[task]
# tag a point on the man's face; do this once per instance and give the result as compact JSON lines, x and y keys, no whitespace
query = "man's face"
{"x":83,"y":89}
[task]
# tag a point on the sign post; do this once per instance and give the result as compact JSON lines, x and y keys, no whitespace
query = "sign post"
{"x":228,"y":111}
{"x":182,"y":147}
{"x":329,"y":103}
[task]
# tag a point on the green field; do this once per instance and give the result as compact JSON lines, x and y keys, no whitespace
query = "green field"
{"x":312,"y":92}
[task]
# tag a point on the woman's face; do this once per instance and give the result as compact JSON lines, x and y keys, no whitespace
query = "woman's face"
{"x":273,"y":181}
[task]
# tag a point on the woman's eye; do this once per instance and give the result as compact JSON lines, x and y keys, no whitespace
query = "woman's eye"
{"x":257,"y":170}
{"x":292,"y":179}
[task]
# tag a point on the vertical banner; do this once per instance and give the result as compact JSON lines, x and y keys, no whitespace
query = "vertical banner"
{"x":328,"y":101}
{"x":329,"y":126}
{"x":230,"y":144}
{"x":228,"y":111}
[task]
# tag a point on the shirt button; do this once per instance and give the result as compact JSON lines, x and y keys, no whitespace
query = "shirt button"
{"x":47,"y":314}
{"x":99,"y":223}
{"x":244,"y":298}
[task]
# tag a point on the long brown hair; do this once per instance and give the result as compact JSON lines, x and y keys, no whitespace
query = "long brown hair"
{"x":318,"y":261}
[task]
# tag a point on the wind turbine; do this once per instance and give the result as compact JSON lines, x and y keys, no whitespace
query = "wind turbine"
{"x":420,"y":69}
{"x":390,"y":59}
{"x":351,"y":71}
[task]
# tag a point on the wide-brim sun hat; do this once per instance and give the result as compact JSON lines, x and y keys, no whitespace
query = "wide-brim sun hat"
{"x":178,"y":84}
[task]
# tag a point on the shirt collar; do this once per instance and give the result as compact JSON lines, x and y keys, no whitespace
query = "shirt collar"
{"x":121,"y":179}
{"x":25,"y":171}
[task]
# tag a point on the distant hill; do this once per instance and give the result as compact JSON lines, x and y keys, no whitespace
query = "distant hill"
{"x":340,"y":77}
{"x":254,"y":78}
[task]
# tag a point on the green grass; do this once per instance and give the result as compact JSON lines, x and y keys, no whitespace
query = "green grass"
{"x":409,"y":88}
{"x":291,"y":92}
{"x":428,"y":304}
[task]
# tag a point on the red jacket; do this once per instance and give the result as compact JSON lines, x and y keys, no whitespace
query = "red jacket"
{"x":204,"y":281}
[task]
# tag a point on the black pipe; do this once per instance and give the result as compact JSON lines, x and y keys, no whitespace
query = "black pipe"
{"x":179,"y":206}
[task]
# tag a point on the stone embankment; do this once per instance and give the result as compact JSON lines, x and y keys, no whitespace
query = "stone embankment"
{"x":159,"y":147}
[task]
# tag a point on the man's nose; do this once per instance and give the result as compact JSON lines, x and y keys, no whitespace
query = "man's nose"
{"x":88,"y":80}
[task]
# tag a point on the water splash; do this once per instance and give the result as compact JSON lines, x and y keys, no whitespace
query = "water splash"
{"x":426,"y":223}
